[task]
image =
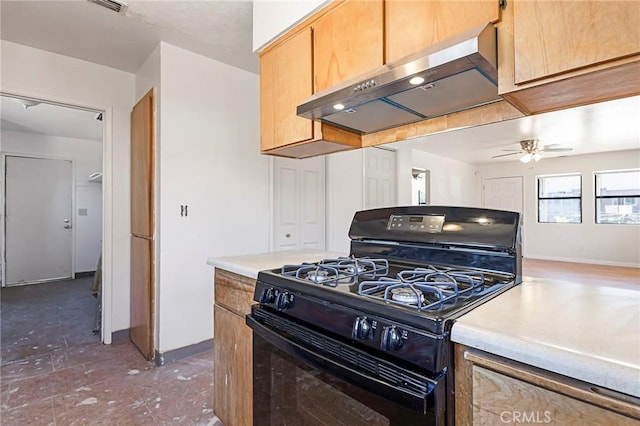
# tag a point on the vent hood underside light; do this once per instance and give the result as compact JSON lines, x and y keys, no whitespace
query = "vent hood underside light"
{"x":453,"y":75}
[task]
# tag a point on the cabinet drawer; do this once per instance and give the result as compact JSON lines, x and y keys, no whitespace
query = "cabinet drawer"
{"x":233,"y":291}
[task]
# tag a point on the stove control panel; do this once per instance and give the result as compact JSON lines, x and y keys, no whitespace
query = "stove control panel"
{"x":416,"y":223}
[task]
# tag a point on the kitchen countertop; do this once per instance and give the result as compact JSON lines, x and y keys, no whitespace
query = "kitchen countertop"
{"x":591,"y":333}
{"x":250,"y":264}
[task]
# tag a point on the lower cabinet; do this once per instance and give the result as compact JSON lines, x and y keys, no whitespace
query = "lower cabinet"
{"x":233,"y":360}
{"x":491,"y":390}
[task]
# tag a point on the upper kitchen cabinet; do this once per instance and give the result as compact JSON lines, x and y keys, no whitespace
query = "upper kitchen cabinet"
{"x":348,"y":41}
{"x":286,"y":80}
{"x":413,"y":25}
{"x":559,"y":54}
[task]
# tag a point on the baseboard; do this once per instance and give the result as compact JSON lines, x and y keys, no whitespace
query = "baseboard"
{"x":588,"y":261}
{"x":163,"y":358}
{"x":120,"y":335}
{"x":85,"y":274}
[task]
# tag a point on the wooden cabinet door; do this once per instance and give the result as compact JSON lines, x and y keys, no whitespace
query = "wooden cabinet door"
{"x":347,"y":42}
{"x":286,"y":79}
{"x":233,"y":369}
{"x":142,"y":296}
{"x":142,"y":142}
{"x":413,"y":25}
{"x":552,"y":37}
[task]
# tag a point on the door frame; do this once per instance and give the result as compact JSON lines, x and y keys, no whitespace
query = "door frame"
{"x":107,"y":194}
{"x":3,"y":228}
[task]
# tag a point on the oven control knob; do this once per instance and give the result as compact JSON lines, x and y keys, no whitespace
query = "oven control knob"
{"x":283,"y":301}
{"x":391,"y":339}
{"x":361,"y":328}
{"x":268,"y":296}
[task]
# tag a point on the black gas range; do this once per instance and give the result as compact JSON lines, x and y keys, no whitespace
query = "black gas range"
{"x":378,"y":321}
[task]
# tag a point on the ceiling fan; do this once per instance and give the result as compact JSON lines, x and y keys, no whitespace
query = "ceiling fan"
{"x":531,"y":151}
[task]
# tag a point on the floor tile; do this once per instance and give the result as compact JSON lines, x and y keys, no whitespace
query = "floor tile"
{"x":32,"y":414}
{"x":26,"y":367}
{"x":107,"y":402}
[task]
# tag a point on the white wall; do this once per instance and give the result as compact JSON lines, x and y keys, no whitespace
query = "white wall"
{"x":87,"y":158}
{"x":36,"y":73}
{"x":345,"y":192}
{"x":453,"y":182}
{"x":273,"y":17}
{"x":587,"y":242}
{"x":209,"y":159}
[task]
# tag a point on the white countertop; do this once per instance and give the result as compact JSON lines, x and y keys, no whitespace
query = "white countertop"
{"x":591,"y":333}
{"x":250,"y":264}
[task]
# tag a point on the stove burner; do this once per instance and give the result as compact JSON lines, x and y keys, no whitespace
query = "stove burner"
{"x":318,"y":276}
{"x":407,"y":296}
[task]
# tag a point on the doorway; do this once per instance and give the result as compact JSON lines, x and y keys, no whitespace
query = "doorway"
{"x":51,"y":194}
{"x":420,"y":187}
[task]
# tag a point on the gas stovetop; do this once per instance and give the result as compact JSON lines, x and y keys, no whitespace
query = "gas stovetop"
{"x":421,"y":289}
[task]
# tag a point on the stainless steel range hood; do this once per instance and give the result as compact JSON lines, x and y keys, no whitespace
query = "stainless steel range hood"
{"x":453,"y":75}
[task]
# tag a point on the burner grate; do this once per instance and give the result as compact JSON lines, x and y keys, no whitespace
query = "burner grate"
{"x":331,"y":272}
{"x":425,"y":289}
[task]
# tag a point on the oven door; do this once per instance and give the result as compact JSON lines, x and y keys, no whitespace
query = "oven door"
{"x":303,"y":377}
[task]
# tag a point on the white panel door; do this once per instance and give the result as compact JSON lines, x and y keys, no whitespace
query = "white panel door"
{"x":380,"y":178}
{"x":299,"y":204}
{"x":38,"y":220}
{"x":503,"y":193}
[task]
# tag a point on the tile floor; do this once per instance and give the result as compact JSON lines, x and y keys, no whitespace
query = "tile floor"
{"x":55,"y":371}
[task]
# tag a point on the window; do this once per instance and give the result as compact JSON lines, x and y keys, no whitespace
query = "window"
{"x":560,"y":199}
{"x":618,"y":197}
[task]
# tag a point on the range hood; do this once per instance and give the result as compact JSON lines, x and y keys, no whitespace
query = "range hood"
{"x":453,"y":75}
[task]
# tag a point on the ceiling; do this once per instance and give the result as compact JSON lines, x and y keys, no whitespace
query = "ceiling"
{"x":220,"y":30}
{"x":47,"y":119}
{"x":607,"y":126}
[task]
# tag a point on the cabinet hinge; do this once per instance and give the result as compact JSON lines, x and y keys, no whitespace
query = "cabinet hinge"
{"x":502,"y":4}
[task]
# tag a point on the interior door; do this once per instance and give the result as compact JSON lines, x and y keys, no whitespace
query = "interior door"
{"x":299,"y":203}
{"x":380,"y":178}
{"x":38,"y":221}
{"x":142,"y":224}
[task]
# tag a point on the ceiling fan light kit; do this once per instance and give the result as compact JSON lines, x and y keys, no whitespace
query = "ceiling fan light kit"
{"x":530,"y":151}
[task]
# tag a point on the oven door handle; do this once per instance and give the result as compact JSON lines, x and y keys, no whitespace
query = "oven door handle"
{"x":412,"y":400}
